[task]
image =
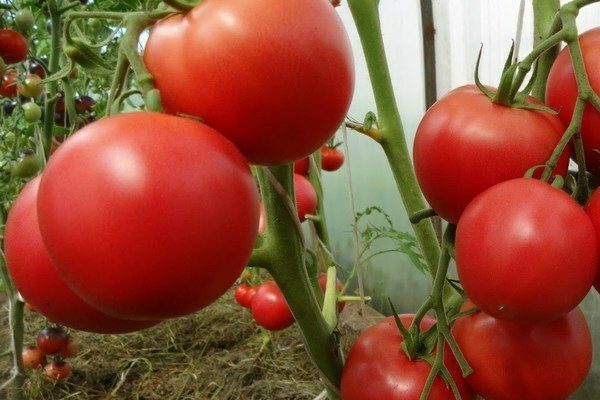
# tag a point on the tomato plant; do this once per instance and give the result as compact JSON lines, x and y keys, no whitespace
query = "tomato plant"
{"x":513,"y":257}
{"x":271,"y":118}
{"x":465,"y":144}
{"x":270,"y":309}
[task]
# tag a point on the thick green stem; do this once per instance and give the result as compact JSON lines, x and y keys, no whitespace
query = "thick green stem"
{"x":393,"y":141}
{"x":283,"y":256}
{"x":544,"y":12}
{"x":53,"y":64}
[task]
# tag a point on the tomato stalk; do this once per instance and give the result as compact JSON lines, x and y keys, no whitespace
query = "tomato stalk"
{"x":543,"y":18}
{"x":282,"y":253}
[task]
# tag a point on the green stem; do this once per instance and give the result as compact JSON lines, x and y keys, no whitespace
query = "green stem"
{"x":393,"y":141}
{"x":314,"y":175}
{"x":544,"y":12}
{"x":117,"y":84}
{"x":180,"y":5}
{"x":70,"y":105}
{"x":53,"y":64}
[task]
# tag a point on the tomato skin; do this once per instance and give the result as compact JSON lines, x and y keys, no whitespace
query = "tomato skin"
{"x":465,"y":144}
{"x":377,"y":358}
{"x":513,"y":257}
{"x":33,"y":358}
{"x":31,"y":86}
{"x":340,"y":287}
{"x":8,"y":87}
{"x":135,"y":185}
{"x":306,"y":197}
{"x":244,"y":293}
{"x":593,"y":211}
{"x":561,"y":94}
{"x":37,"y":279}
{"x":270,"y":309}
{"x":52,"y":340}
{"x":13,"y":46}
{"x":332,"y":158}
{"x":70,"y":349}
{"x":302,"y":166}
{"x":514,"y":361}
{"x":278,"y":91}
{"x":57,"y":371}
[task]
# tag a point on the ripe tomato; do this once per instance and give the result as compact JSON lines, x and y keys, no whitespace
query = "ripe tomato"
{"x":148,"y":216}
{"x":306,"y":197}
{"x":377,"y":358}
{"x":57,"y":371}
{"x":52,"y":340}
{"x":301,"y":166}
{"x":332,"y":158}
{"x":37,"y":279}
{"x":270,"y":309}
{"x":13,"y":46}
{"x":465,"y":144}
{"x":515,"y":361}
{"x":8,"y":87}
{"x":340,"y":287}
{"x":593,"y":211}
{"x":526,"y":251}
{"x":278,"y":91}
{"x":244,"y":293}
{"x":70,"y":349}
{"x":33,"y":358}
{"x":561,"y":94}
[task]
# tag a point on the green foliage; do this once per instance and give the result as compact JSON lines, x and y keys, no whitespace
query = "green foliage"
{"x":395,"y":241}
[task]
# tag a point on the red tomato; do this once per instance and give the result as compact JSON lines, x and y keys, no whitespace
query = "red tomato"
{"x":57,"y":371}
{"x":332,"y":158}
{"x":148,"y":216}
{"x":33,"y":358}
{"x":301,"y":166}
{"x":561,"y":94}
{"x":13,"y":46}
{"x":270,"y":309}
{"x":52,"y":340}
{"x":8,"y":87}
{"x":593,"y":211}
{"x":515,"y":361}
{"x":340,"y":287}
{"x":277,"y":90}
{"x":37,"y":279}
{"x":466,"y":144}
{"x":70,"y":349}
{"x":244,"y":293}
{"x":377,"y":368}
{"x":306,"y":197}
{"x":526,"y":251}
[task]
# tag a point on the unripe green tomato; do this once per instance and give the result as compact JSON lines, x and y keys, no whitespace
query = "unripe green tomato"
{"x":8,"y":140}
{"x":32,"y":112}
{"x":24,"y":19}
{"x":31,"y":86}
{"x":27,"y":167}
{"x":94,"y":23}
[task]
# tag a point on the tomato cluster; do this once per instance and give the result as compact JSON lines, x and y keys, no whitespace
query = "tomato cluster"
{"x":53,"y":342}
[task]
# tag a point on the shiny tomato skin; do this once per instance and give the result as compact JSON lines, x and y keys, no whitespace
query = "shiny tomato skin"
{"x":377,"y":358}
{"x":277,"y":90}
{"x":465,"y":144}
{"x":270,"y":309}
{"x":306,"y":197}
{"x":514,"y":361}
{"x":302,"y":166}
{"x":332,"y":158}
{"x":148,"y":216}
{"x":340,"y":287}
{"x":244,"y":293}
{"x":13,"y":46}
{"x":37,"y":279}
{"x":593,"y":211}
{"x":526,"y":251}
{"x":8,"y":87}
{"x":561,"y":94}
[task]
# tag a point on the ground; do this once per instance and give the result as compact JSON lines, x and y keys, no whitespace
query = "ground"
{"x":213,"y":354}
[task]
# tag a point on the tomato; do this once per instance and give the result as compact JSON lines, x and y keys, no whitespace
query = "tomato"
{"x":377,"y":368}
{"x":84,"y":104}
{"x":332,"y":158}
{"x":37,"y":279}
{"x":270,"y":309}
{"x":31,"y":86}
{"x":8,"y":87}
{"x":515,"y":361}
{"x":8,"y":106}
{"x":561,"y":94}
{"x":28,"y":166}
{"x":37,"y":69}
{"x":278,"y":91}
{"x":33,"y":358}
{"x":24,"y":19}
{"x":31,"y":112}
{"x":593,"y":211}
{"x":70,"y":349}
{"x":52,"y":340}
{"x":302,"y":166}
{"x":57,"y":371}
{"x":340,"y":287}
{"x":148,"y":216}
{"x":244,"y":293}
{"x":13,"y":46}
{"x":306,"y":197}
{"x":526,"y":251}
{"x":465,"y":144}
